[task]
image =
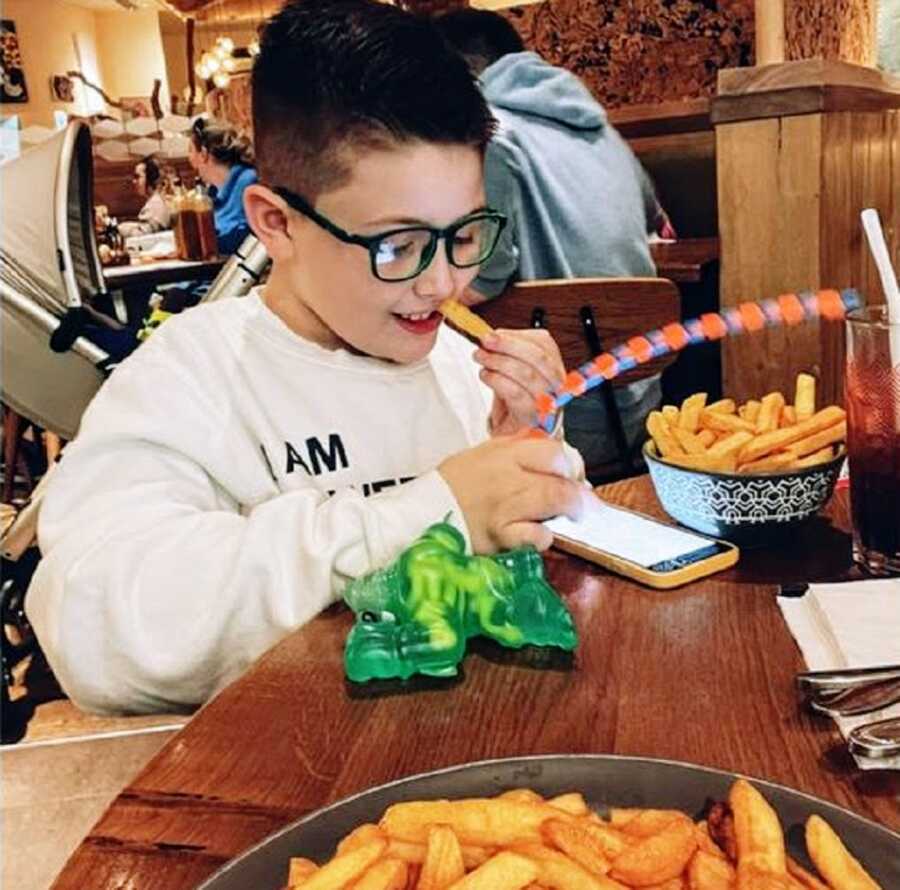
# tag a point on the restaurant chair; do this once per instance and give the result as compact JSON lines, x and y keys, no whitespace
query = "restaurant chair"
{"x":587,"y":316}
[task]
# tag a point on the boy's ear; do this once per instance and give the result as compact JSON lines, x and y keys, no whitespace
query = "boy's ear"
{"x":265,"y":215}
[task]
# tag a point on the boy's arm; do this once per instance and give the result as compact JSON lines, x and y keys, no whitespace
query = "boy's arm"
{"x":156,"y":588}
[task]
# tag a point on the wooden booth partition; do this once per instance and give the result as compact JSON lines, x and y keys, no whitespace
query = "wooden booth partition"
{"x":802,"y":147}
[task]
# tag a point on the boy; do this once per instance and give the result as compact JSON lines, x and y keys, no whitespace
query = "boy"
{"x":256,"y":454}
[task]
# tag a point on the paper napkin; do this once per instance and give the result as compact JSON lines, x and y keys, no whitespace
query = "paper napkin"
{"x":850,"y":625}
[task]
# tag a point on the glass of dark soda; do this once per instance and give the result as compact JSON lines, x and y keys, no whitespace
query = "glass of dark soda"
{"x":873,"y":438}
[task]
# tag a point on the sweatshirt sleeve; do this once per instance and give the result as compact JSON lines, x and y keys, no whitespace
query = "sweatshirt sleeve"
{"x":156,"y":588}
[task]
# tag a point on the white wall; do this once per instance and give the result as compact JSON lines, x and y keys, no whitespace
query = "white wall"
{"x":45,"y":29}
{"x":130,"y":48}
{"x":123,"y":49}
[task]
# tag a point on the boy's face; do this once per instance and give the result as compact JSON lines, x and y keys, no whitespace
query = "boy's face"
{"x":324,"y":289}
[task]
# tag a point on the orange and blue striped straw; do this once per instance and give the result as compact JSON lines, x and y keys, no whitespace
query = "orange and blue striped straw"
{"x":787,"y":309}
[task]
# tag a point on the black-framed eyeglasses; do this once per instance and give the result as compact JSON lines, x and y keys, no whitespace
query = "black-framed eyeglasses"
{"x":405,"y":252}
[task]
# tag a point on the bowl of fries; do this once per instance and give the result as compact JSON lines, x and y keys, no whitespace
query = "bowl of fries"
{"x":746,"y":473}
{"x":584,"y":822}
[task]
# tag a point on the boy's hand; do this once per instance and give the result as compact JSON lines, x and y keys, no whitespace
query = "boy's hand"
{"x":518,"y":366}
{"x":507,"y":486}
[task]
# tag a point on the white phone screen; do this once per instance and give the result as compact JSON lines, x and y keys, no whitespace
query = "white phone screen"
{"x":640,"y":540}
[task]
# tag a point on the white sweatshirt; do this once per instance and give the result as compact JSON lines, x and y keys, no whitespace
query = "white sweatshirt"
{"x":226,"y":482}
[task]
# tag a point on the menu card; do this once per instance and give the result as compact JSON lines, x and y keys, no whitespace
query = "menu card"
{"x":850,"y":625}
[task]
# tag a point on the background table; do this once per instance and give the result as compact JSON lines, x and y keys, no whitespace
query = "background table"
{"x":693,"y":264}
{"x":162,"y":272}
{"x":703,"y":674}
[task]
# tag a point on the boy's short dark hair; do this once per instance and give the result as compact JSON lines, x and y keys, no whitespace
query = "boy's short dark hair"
{"x":343,"y":75}
{"x":481,"y":36}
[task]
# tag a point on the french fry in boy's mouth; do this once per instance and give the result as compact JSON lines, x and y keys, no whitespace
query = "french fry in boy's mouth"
{"x":465,"y":319}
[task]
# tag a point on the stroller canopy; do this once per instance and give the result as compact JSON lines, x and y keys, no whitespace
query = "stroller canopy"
{"x":49,"y":269}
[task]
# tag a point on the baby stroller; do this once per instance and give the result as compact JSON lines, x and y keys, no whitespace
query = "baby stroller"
{"x":57,"y":346}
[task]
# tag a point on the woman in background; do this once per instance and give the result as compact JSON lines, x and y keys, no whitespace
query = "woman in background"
{"x":154,"y":216}
{"x":224,"y":161}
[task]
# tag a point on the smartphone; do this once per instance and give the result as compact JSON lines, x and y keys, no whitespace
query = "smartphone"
{"x":641,"y":548}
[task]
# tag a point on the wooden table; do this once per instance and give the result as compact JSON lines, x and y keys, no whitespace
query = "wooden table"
{"x":685,"y":260}
{"x":703,"y":674}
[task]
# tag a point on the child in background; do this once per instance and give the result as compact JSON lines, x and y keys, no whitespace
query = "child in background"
{"x":154,"y":216}
{"x":256,"y":454}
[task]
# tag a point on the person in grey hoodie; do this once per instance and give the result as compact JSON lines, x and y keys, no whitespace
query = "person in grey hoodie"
{"x":578,"y":201}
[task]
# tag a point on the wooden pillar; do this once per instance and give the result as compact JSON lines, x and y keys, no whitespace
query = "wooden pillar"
{"x":769,"y":26}
{"x":802,"y":147}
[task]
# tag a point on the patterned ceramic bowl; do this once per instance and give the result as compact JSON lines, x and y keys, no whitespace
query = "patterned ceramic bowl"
{"x":751,"y":511}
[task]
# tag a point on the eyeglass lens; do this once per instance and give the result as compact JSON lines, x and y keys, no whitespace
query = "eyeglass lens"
{"x":403,"y":254}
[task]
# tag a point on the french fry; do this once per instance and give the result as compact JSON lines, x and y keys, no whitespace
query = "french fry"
{"x":769,"y":412}
{"x":833,"y":860}
{"x":706,"y":843}
{"x":817,"y":457}
{"x":788,"y":416}
{"x":691,"y":409}
{"x":690,"y":442}
{"x":611,"y":840}
{"x":345,"y":867}
{"x":760,"y":842}
{"x":723,"y":406}
{"x":801,"y":876}
{"x":299,"y":869}
{"x":781,"y":460}
{"x":725,"y":423}
{"x":388,"y":874}
{"x":559,"y":871}
{"x":572,"y":803}
{"x":465,"y":319}
{"x":779,"y":439}
{"x":505,"y":871}
{"x":361,"y":835}
{"x":706,"y":437}
{"x":709,"y":872}
{"x":480,"y":821}
{"x":657,"y":858}
{"x":413,"y":871}
{"x":819,"y":440}
{"x":731,"y":445}
{"x":523,"y":795}
{"x":707,"y":463}
{"x":443,"y":860}
{"x":805,"y":397}
{"x":414,"y":854}
{"x":666,"y":444}
{"x":619,"y":817}
{"x":671,"y":414}
{"x":577,"y":843}
{"x":750,"y":411}
{"x":649,"y":822}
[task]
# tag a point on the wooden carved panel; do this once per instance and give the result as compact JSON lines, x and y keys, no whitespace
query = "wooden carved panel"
{"x":640,"y":51}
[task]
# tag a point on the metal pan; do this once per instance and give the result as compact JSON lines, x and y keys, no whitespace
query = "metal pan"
{"x":605,"y":781}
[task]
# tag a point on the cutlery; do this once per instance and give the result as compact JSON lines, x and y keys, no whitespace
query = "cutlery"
{"x":880,"y":739}
{"x":849,"y":692}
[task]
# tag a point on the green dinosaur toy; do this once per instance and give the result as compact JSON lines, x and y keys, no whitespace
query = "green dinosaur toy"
{"x":415,"y":615}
